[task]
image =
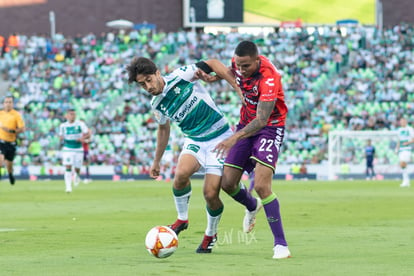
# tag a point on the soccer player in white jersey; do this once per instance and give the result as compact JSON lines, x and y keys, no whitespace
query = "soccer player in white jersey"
{"x":406,"y":138}
{"x":179,"y":98}
{"x":72,"y":133}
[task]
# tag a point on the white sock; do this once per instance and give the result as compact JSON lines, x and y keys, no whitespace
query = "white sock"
{"x":405,"y":175}
{"x":212,"y":224}
{"x":68,"y":180}
{"x":181,"y":204}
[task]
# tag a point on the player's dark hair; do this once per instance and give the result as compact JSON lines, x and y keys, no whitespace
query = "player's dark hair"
{"x":140,"y":66}
{"x":246,"y":48}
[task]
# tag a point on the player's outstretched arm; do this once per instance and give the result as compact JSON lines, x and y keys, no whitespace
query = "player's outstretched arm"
{"x":222,"y":72}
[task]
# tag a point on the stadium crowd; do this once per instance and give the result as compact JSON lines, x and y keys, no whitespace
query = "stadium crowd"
{"x":353,"y":78}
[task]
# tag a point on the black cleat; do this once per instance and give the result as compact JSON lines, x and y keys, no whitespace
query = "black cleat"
{"x":207,"y":244}
{"x":178,"y":226}
{"x":12,"y":179}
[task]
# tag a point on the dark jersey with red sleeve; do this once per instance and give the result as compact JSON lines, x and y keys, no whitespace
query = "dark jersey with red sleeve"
{"x":264,"y":85}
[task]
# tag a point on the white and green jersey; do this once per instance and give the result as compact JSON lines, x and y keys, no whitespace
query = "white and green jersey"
{"x":189,"y":105}
{"x":405,"y":134}
{"x":71,"y":132}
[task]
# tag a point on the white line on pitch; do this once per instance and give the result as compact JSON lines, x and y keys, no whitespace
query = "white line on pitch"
{"x":10,"y":229}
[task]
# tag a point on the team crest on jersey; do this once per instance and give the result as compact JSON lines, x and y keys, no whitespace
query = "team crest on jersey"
{"x":177,"y":90}
{"x":255,"y":90}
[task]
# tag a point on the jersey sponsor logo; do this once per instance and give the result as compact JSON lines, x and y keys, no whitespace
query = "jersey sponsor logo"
{"x":270,"y":82}
{"x":73,"y":130}
{"x":269,"y":158}
{"x":250,"y":101}
{"x":178,"y":117}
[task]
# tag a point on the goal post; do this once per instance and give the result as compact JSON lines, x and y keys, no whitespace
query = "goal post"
{"x":346,"y":149}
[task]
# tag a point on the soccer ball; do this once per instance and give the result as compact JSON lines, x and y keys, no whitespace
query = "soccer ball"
{"x":161,"y":241}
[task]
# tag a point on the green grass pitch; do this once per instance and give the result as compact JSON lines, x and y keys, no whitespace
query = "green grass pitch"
{"x":333,"y":228}
{"x":314,"y":11}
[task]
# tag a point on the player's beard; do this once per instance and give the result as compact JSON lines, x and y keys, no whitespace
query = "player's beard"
{"x":159,"y":87}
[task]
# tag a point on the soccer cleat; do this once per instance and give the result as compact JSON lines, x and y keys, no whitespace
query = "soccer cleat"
{"x":12,"y":179}
{"x":281,"y":252}
{"x":250,"y":217}
{"x":207,"y":244}
{"x":179,"y":225}
{"x":405,"y":184}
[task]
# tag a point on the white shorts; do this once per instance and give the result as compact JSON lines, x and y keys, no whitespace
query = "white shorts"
{"x":72,"y":158}
{"x":404,"y":156}
{"x":203,"y":152}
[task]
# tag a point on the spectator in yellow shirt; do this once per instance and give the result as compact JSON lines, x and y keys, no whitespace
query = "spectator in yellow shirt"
{"x":11,"y":124}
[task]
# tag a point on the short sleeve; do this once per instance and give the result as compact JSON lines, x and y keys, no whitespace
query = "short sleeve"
{"x":161,"y":119}
{"x":186,"y":72}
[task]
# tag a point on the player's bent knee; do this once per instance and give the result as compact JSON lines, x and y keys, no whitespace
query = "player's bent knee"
{"x":181,"y":181}
{"x":210,"y":196}
{"x":263,"y":192}
{"x":228,"y":187}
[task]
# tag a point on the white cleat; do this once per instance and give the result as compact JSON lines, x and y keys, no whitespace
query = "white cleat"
{"x":281,"y":252}
{"x":405,"y":184}
{"x":249,"y":220}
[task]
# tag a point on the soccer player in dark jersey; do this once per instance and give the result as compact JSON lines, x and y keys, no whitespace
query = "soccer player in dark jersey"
{"x":256,"y":143}
{"x":85,"y":146}
{"x":369,"y":156}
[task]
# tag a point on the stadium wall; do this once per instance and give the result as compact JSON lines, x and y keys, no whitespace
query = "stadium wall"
{"x":397,"y":11}
{"x":82,"y":17}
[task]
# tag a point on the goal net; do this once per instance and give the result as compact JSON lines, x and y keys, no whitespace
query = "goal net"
{"x":346,"y":152}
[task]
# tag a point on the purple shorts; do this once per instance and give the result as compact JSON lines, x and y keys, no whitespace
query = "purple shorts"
{"x":263,"y":147}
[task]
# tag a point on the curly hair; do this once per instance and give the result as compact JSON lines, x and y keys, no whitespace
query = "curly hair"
{"x":140,"y":65}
